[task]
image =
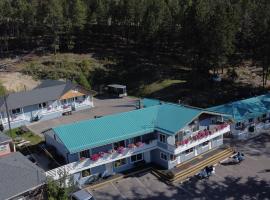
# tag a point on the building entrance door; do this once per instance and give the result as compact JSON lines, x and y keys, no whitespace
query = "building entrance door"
{"x":109,"y":168}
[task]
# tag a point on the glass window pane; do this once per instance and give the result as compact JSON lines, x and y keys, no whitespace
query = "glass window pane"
{"x":139,"y":156}
{"x":133,"y":158}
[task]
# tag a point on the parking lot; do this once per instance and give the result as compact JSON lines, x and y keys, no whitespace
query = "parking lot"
{"x":248,"y":180}
{"x":102,"y":107}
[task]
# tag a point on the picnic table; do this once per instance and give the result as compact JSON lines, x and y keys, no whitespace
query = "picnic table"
{"x":22,"y":143}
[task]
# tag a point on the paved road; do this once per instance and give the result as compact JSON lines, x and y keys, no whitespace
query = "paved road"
{"x":248,"y":180}
{"x":102,"y":107}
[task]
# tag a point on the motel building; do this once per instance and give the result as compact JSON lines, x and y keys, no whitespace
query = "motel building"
{"x":164,"y":134}
{"x":249,"y":117}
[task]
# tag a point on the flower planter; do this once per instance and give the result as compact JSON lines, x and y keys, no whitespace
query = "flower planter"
{"x":95,"y":157}
{"x":131,"y":146}
{"x":101,"y":154}
{"x":120,"y":150}
{"x":82,"y":159}
{"x":139,"y":144}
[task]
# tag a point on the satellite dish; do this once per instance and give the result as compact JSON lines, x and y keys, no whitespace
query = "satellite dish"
{"x":171,"y":140}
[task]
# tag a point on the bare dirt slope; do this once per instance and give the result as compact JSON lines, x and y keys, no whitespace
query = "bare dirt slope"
{"x":15,"y":81}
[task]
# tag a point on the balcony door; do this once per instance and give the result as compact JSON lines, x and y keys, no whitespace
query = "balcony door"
{"x":119,"y":144}
{"x":135,"y":140}
{"x":85,"y":154}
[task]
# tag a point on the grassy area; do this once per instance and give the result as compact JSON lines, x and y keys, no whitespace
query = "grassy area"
{"x":34,"y":139}
{"x":65,"y":65}
{"x":157,"y":86}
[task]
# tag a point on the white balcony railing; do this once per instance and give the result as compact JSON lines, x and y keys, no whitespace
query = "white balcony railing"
{"x":46,"y":111}
{"x":83,"y":103}
{"x":14,"y":118}
{"x":190,"y":144}
{"x":78,"y":166}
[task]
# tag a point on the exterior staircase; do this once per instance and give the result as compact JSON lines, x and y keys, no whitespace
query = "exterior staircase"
{"x":182,"y":173}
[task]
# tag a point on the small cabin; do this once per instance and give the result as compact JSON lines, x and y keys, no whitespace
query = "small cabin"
{"x":117,"y":90}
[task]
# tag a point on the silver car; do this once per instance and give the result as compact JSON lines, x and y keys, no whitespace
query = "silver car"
{"x":82,"y":195}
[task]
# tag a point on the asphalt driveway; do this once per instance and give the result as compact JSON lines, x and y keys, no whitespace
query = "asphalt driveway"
{"x":248,"y":180}
{"x":102,"y":107}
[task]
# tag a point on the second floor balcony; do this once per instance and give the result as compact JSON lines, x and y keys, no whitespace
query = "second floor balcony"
{"x":198,"y":138}
{"x":102,"y":158}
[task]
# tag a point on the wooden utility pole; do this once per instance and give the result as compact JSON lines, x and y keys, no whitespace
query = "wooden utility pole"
{"x":7,"y":112}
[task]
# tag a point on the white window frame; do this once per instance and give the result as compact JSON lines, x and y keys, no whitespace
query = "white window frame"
{"x":202,"y":144}
{"x":132,"y":142}
{"x":218,"y":138}
{"x":173,"y":156}
{"x":238,"y":124}
{"x":136,"y":158}
{"x":89,"y":154}
{"x":84,"y":170}
{"x":43,"y":105}
{"x":3,"y":148}
{"x":159,"y":138}
{"x":165,"y":155}
{"x":16,"y":113}
{"x":190,"y":151}
{"x":120,"y":165}
{"x":125,"y":143}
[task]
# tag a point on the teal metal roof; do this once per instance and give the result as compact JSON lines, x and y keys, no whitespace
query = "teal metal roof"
{"x":168,"y":118}
{"x":172,"y":117}
{"x":245,"y":109}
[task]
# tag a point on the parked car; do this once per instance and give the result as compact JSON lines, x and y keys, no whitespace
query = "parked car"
{"x":206,"y":172}
{"x":82,"y":195}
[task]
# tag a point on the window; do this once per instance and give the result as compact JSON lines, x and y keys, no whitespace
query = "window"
{"x":135,"y":139}
{"x":85,"y":154}
{"x":163,"y":156}
{"x":250,"y":120}
{"x":64,"y":101}
{"x":162,"y":138}
{"x":16,"y":111}
{"x":42,"y":105}
{"x":86,"y":172}
{"x":189,"y":151}
{"x":136,"y":158}
{"x":204,"y":144}
{"x":176,"y":138}
{"x":218,"y":138}
{"x":172,"y":157}
{"x":119,"y":144}
{"x":238,"y":124}
{"x":120,"y":162}
{"x":3,"y":148}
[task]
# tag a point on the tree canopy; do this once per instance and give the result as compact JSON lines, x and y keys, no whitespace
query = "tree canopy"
{"x":205,"y":33}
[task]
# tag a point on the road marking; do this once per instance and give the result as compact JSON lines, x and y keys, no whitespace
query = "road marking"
{"x":141,"y":184}
{"x":123,"y":196}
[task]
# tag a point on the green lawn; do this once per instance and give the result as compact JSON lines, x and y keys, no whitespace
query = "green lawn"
{"x":157,"y":86}
{"x":34,"y":139}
